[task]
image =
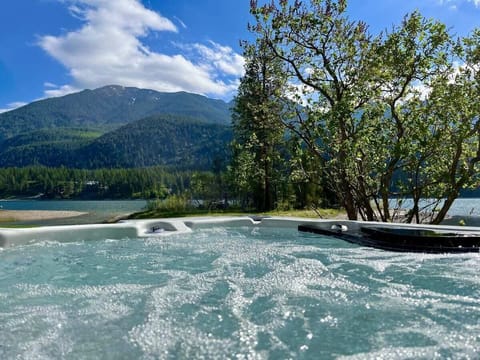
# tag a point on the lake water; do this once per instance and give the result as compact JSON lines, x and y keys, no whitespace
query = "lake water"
{"x":98,"y":211}
{"x":466,"y":210}
{"x":461,"y":207}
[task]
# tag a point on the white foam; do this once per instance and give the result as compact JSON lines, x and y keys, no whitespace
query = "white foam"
{"x":203,"y":291}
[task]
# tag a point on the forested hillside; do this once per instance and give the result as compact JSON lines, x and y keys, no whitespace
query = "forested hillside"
{"x":116,"y":126}
{"x":108,"y":108}
{"x":170,"y":140}
{"x":64,"y":183}
{"x":50,"y":147}
{"x":158,"y":140}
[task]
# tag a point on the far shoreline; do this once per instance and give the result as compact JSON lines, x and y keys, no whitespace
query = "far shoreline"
{"x":33,"y":215}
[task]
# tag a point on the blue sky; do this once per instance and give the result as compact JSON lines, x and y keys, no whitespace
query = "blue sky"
{"x":54,"y":47}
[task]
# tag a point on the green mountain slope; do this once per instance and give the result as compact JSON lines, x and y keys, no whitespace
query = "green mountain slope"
{"x":50,"y":147}
{"x":181,"y":142}
{"x":116,"y":126}
{"x":108,"y":108}
{"x":172,"y":140}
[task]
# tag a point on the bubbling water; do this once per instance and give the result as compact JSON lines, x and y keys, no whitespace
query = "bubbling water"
{"x":239,"y":293}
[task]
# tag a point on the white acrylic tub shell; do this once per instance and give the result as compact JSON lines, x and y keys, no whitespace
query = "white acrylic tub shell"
{"x":165,"y":227}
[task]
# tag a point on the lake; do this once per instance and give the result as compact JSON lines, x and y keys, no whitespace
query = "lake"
{"x":467,"y":209}
{"x":98,"y":211}
{"x":461,"y":207}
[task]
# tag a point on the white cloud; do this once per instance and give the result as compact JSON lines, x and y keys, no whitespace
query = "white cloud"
{"x":300,"y":93}
{"x":13,"y":106}
{"x":453,"y":4}
{"x":56,"y":91}
{"x":108,"y":49}
{"x":182,"y":24}
{"x":420,"y":89}
{"x":222,"y":58}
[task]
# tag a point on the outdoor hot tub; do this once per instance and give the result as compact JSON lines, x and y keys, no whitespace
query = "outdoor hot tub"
{"x":231,"y":287}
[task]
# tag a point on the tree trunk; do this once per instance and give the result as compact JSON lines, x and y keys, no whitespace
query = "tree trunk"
{"x":365,"y":201}
{"x":267,"y":195}
{"x":415,"y":209}
{"x":444,"y":210}
{"x":349,"y":200}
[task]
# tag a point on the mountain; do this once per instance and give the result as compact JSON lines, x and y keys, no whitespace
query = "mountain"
{"x":116,"y":126}
{"x":169,"y":140}
{"x":108,"y":108}
{"x":49,"y":147}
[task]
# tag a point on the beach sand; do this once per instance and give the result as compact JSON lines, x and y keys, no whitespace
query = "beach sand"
{"x":31,"y":215}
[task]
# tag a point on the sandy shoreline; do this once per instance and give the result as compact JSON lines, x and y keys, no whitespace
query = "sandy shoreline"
{"x":30,"y":215}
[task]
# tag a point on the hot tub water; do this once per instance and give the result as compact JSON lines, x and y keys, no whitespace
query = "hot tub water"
{"x":239,"y":293}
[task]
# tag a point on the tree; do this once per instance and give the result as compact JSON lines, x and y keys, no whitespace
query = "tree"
{"x":328,"y":58}
{"x":372,"y":105}
{"x":258,"y":131}
{"x":448,"y":157}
